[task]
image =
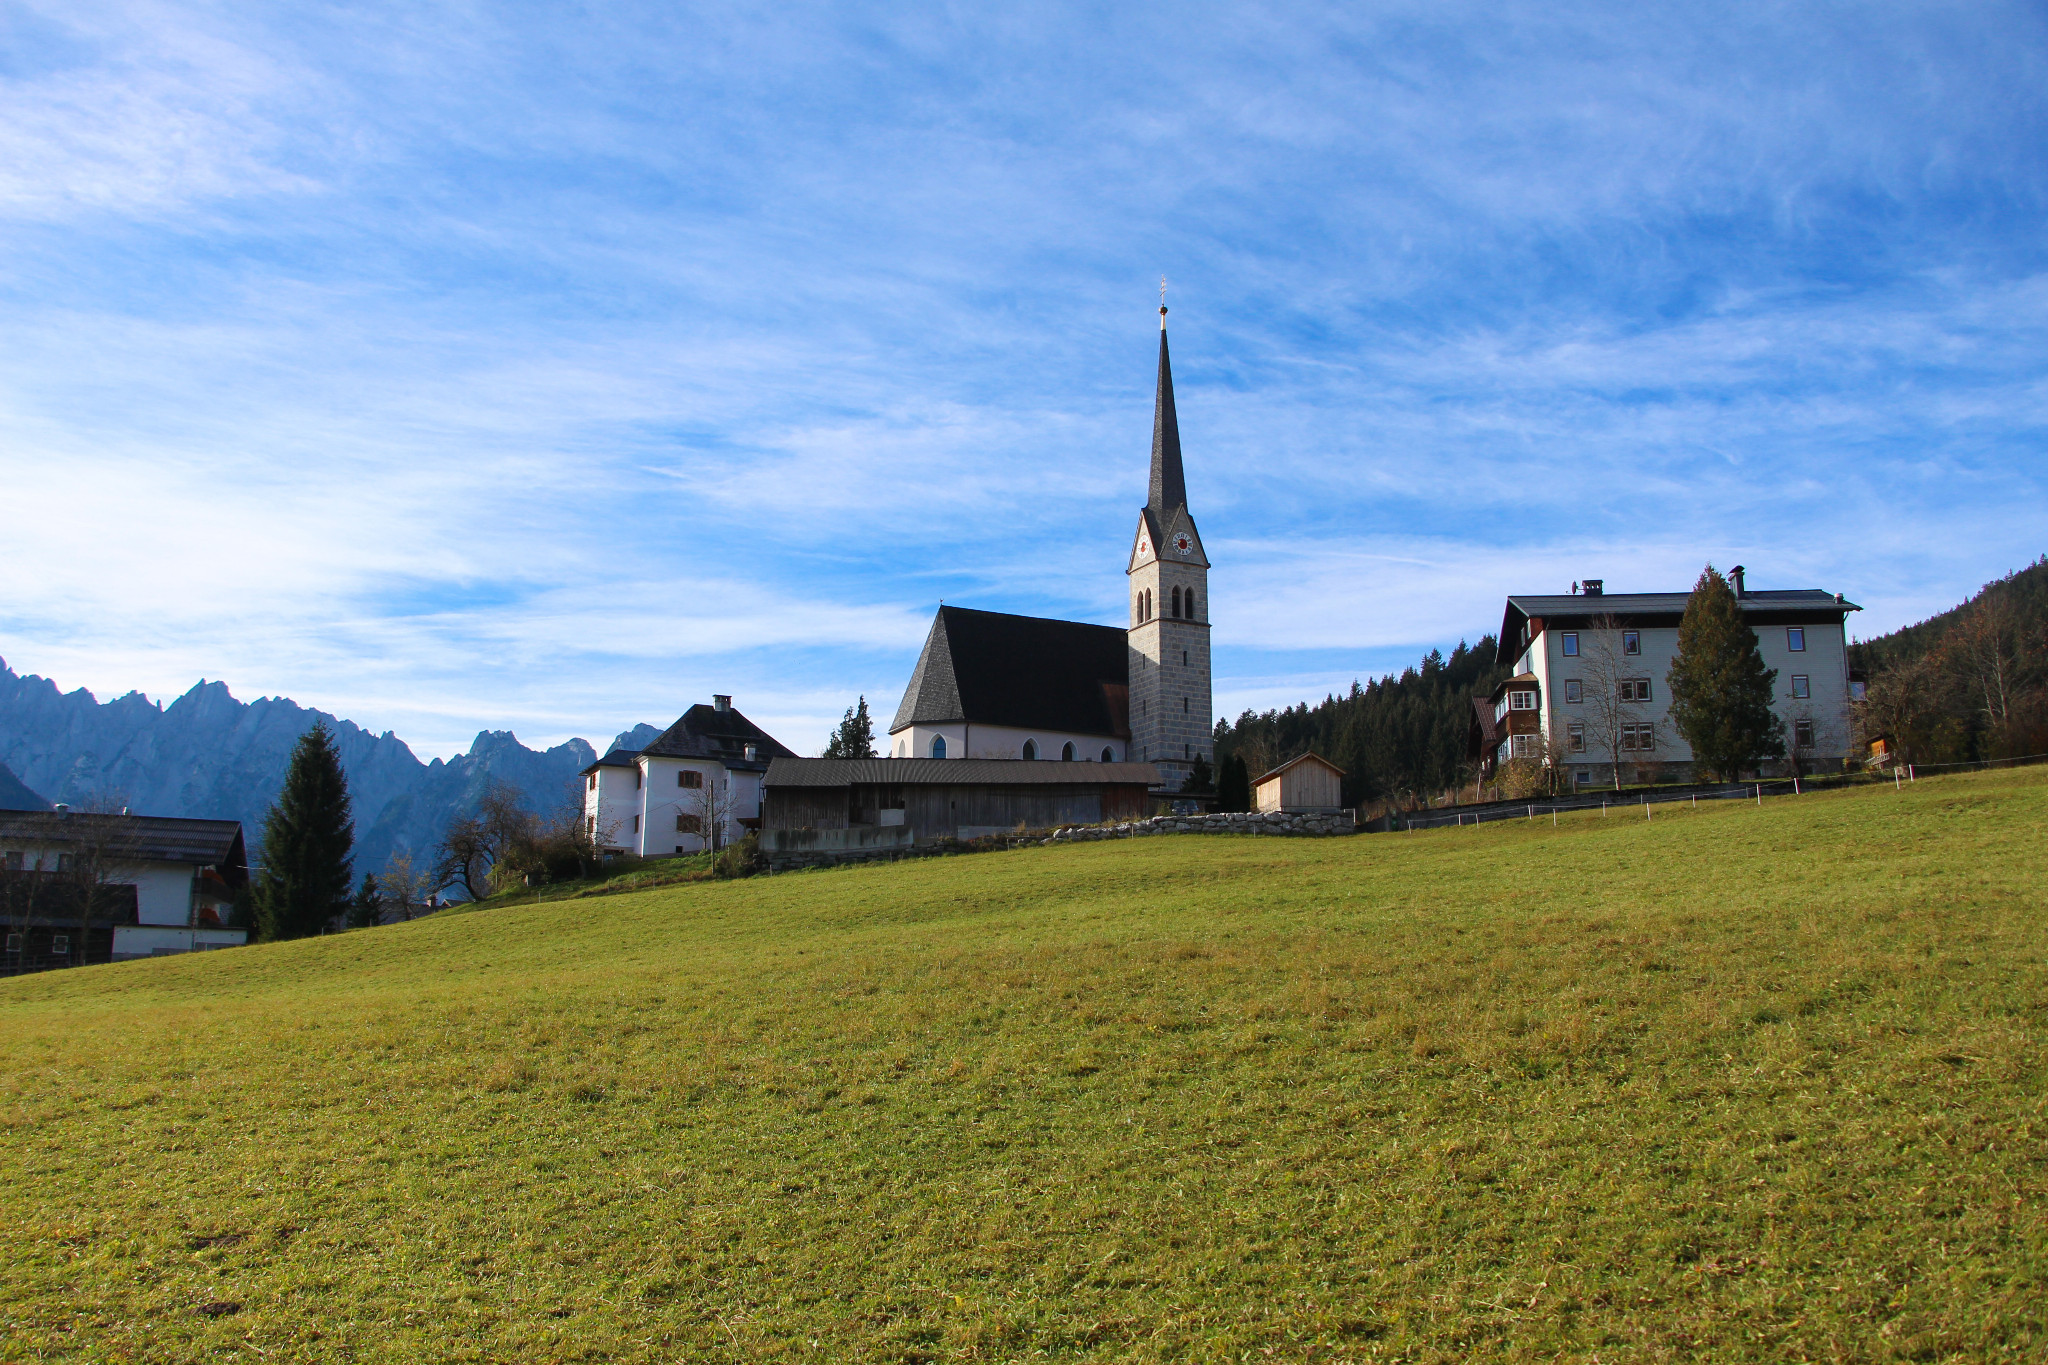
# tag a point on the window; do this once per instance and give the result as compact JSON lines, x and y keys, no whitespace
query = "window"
{"x":1582,"y":778}
{"x":689,"y":824}
{"x":1521,"y":701}
{"x":1501,"y":754}
{"x":1031,"y":748}
{"x":1575,"y":736}
{"x":1635,"y":689}
{"x":1183,"y":658}
{"x":65,"y":862}
{"x":938,"y":746}
{"x":1795,"y":639}
{"x":1176,"y":604}
{"x":1571,"y":644}
{"x":1189,"y":603}
{"x":1631,"y":642}
{"x":60,"y":945}
{"x":689,"y":777}
{"x":1108,"y":754}
{"x":1858,"y":689}
{"x":1525,"y":745}
{"x":593,"y":826}
{"x":1638,"y":739}
{"x":1067,"y":752}
{"x":1183,"y":705}
{"x":590,"y":782}
{"x":14,"y":943}
{"x":639,"y":774}
{"x":636,"y":824}
{"x":1802,"y":734}
{"x":1802,"y":687}
{"x":1574,"y":691}
{"x":14,"y":862}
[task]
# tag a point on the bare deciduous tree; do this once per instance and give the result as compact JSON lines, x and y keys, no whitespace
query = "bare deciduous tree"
{"x":1604,"y":666}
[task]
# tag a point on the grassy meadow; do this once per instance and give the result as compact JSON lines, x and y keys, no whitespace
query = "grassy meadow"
{"x":1731,"y":1084}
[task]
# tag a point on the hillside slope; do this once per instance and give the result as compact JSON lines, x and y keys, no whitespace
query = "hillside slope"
{"x":1740,"y":1084}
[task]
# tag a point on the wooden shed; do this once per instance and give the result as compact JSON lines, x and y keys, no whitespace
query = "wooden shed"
{"x":1309,"y":783}
{"x":939,"y":797}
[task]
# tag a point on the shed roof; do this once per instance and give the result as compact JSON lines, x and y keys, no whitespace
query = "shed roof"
{"x":1028,"y":672}
{"x":955,"y":772}
{"x":1310,"y":757}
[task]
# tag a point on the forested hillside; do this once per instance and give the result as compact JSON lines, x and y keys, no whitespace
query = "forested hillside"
{"x":1395,"y":737}
{"x":1971,"y":683}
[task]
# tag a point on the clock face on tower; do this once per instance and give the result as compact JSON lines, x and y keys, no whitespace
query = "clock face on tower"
{"x":1184,"y":545}
{"x":1144,"y":546}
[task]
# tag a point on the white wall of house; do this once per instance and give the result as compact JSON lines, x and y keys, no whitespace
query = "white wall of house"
{"x":637,"y":808}
{"x":1001,"y":741}
{"x":163,"y":891}
{"x":1823,"y":665}
{"x":611,"y":803}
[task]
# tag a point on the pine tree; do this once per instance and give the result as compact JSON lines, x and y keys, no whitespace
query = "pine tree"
{"x":366,"y":910}
{"x":306,"y":839}
{"x":1233,"y":784}
{"x":1721,"y":693}
{"x":855,"y":737}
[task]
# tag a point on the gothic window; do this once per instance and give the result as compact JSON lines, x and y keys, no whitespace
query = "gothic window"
{"x":1188,"y":605}
{"x":1147,"y":614}
{"x":1176,"y":604}
{"x":938,"y":746}
{"x":1031,"y":748}
{"x":1108,"y":754}
{"x":1067,"y":752}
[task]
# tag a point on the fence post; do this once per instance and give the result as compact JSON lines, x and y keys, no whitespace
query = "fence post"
{"x":1759,"y":793}
{"x":1795,"y":784}
{"x":1911,"y":774}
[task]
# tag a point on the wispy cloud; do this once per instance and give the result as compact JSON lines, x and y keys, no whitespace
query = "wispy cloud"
{"x":454,"y":368}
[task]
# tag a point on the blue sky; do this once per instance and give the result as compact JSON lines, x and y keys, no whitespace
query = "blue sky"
{"x":549,"y":368}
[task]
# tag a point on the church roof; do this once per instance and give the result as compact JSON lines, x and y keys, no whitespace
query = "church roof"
{"x":708,"y":732}
{"x":990,"y":668}
{"x":1169,"y":487}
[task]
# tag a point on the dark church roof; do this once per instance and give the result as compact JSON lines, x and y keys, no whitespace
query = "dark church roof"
{"x":708,"y":732}
{"x":956,"y":772}
{"x":990,"y":668}
{"x":1169,"y":488}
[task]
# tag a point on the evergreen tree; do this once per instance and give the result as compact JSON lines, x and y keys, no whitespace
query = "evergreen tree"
{"x":1721,"y":693}
{"x":855,"y":737}
{"x":365,"y":911}
{"x":1233,"y":785}
{"x":307,"y":835}
{"x":1201,"y":776}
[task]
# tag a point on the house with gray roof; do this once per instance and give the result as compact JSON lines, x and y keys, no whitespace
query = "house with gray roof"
{"x":695,"y":786}
{"x":1588,"y":689}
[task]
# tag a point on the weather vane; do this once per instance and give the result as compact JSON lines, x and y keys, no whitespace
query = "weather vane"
{"x":1162,"y":300}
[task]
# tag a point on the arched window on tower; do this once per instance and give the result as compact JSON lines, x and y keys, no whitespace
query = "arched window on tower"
{"x":1031,"y":748}
{"x":1108,"y":754}
{"x":1067,"y":752}
{"x":1188,"y":602}
{"x":938,"y":746}
{"x":1176,"y":604}
{"x":1145,"y":608}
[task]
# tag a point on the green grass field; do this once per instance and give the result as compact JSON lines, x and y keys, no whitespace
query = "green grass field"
{"x":1734,"y":1084}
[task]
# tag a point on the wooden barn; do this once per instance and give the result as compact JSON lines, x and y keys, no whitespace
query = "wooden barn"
{"x":1310,"y":783}
{"x":960,"y":798}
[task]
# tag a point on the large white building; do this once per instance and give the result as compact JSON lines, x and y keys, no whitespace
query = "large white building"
{"x":992,"y":685}
{"x":1573,"y":652}
{"x":701,"y":778}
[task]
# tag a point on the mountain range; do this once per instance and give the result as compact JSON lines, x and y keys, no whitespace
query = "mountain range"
{"x":208,"y":755}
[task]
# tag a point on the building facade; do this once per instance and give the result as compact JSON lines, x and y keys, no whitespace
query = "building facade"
{"x":697,"y":786}
{"x":1589,"y":690}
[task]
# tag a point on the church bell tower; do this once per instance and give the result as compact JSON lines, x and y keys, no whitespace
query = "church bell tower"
{"x":1169,"y":603}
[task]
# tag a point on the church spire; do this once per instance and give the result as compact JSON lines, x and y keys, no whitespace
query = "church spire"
{"x":1169,"y":487}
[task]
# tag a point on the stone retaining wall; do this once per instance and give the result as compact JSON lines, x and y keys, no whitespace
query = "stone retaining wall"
{"x":1255,"y":822}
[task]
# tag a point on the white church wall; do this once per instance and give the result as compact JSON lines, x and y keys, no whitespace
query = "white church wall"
{"x":1001,"y":741}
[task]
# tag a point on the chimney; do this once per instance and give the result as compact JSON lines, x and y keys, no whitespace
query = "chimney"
{"x":1741,"y":588}
{"x":61,"y":808}
{"x":1592,"y":587}
{"x":720,"y":702}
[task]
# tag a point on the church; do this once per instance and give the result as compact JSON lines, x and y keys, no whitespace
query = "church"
{"x":992,"y":685}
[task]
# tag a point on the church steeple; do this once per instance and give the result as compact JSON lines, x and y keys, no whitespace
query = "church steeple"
{"x":1169,"y":486}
